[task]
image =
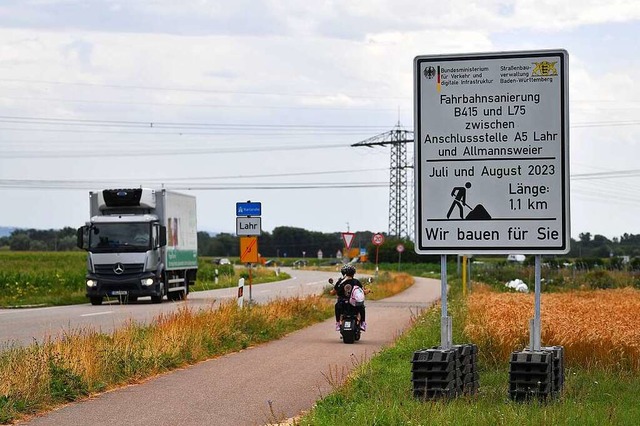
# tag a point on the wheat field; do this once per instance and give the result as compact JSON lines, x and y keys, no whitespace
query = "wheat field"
{"x":599,"y":328}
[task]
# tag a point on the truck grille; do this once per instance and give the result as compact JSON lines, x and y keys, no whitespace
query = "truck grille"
{"x":127,"y":269}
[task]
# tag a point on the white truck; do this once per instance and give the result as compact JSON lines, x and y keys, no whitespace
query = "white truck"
{"x":140,"y":242}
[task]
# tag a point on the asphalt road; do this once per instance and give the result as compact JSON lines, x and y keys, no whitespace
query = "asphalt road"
{"x":26,"y":326}
{"x":260,"y":385}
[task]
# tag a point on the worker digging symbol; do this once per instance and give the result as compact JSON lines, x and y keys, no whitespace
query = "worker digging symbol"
{"x":459,"y":194}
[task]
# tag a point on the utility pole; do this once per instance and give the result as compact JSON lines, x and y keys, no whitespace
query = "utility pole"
{"x":400,"y":208}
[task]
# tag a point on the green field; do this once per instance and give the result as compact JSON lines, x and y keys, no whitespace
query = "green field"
{"x":57,"y":278}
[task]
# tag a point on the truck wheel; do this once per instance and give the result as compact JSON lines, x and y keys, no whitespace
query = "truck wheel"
{"x":96,"y":300}
{"x":176,"y":295}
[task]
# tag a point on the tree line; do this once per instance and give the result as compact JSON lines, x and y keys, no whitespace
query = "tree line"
{"x":40,"y":240}
{"x":293,"y":242}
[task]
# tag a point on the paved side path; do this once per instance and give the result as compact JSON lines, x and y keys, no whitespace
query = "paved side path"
{"x":270,"y":382}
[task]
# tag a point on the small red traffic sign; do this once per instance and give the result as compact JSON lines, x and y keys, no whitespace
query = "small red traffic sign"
{"x":377,"y":239}
{"x":399,"y":248}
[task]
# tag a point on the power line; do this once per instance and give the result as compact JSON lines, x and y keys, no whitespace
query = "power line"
{"x":607,"y":175}
{"x":201,"y":105}
{"x":174,"y":125}
{"x":160,"y":153}
{"x":194,"y":90}
{"x":197,"y":178}
{"x":29,"y":184}
{"x":164,"y":132}
{"x":186,"y":128}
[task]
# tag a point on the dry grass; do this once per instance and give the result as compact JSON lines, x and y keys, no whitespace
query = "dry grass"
{"x":84,"y":361}
{"x":389,"y":284}
{"x":599,"y":328}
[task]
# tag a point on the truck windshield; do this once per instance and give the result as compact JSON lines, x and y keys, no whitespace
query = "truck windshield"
{"x":120,"y":237}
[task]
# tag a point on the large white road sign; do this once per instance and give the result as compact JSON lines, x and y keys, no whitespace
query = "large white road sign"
{"x":492,"y":153}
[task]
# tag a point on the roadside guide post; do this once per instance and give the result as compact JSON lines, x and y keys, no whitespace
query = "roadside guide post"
{"x":248,"y":228}
{"x":240,"y":292}
{"x":492,"y":176}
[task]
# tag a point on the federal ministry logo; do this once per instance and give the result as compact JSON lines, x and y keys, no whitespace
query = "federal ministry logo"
{"x":430,"y":72}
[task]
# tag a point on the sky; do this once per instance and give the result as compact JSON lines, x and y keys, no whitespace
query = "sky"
{"x":261,"y":100}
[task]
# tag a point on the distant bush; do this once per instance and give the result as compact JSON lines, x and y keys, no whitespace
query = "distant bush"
{"x":598,"y":279}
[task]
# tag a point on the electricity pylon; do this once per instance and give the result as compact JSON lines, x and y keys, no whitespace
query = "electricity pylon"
{"x":400,"y":208}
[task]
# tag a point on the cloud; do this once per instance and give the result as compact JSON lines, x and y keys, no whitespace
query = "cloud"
{"x":325,"y":18}
{"x":282,"y":63}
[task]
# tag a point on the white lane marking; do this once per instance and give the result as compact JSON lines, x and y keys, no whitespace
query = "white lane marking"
{"x":97,"y":313}
{"x":17,"y":310}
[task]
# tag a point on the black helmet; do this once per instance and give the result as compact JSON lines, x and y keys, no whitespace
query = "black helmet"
{"x":349,"y":270}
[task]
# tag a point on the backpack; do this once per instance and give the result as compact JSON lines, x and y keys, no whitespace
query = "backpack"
{"x":357,"y":296}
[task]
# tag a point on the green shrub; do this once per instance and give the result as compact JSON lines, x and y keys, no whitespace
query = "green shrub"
{"x":598,"y":279}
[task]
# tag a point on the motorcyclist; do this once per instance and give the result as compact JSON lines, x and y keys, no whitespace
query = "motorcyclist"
{"x":342,"y":289}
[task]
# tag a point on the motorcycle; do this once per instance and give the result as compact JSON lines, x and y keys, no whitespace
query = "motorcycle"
{"x":349,"y":321}
{"x":349,"y":324}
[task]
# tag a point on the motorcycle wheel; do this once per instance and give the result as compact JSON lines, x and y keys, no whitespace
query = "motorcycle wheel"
{"x":348,"y":336}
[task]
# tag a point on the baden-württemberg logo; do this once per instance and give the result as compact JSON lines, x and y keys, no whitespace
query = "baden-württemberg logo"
{"x":544,"y":69}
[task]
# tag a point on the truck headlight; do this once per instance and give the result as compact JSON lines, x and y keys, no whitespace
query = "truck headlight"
{"x":92,"y":283}
{"x":147,"y":281}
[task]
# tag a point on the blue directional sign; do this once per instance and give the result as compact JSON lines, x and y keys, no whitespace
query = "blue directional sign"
{"x":248,"y":209}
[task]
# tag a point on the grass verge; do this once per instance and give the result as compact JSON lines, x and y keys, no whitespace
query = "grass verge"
{"x":85,"y":362}
{"x":387,"y":284}
{"x":379,"y":392}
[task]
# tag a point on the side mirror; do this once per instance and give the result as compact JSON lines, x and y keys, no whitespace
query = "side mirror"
{"x":330,"y":280}
{"x":163,"y":236}
{"x":80,"y":240}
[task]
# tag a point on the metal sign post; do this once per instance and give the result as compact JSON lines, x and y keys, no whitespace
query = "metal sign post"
{"x":399,"y":249}
{"x":446,"y":332}
{"x":535,"y":327}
